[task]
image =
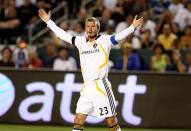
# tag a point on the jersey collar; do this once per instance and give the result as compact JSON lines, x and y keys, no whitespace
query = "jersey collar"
{"x":95,"y":39}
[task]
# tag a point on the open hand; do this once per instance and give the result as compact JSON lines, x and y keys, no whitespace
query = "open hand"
{"x":43,"y":15}
{"x":137,"y":22}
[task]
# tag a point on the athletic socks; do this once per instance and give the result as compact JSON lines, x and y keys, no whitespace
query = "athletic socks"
{"x":78,"y":127}
{"x":115,"y":128}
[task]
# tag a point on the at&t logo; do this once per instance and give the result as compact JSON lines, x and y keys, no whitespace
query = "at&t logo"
{"x":7,"y":94}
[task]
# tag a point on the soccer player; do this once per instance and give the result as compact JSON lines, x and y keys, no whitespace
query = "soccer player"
{"x":96,"y":96}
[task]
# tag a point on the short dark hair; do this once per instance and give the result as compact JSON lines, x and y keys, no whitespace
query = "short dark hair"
{"x":187,"y":3}
{"x":6,"y":48}
{"x":63,"y":48}
{"x":187,"y":27}
{"x":158,"y":45}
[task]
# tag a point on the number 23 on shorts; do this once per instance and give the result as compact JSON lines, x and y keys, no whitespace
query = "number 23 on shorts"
{"x":103,"y":111}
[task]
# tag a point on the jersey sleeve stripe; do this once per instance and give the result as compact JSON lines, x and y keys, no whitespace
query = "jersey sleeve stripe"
{"x":73,"y":40}
{"x":113,"y":40}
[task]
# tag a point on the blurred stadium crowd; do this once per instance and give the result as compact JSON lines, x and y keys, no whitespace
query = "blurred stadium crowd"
{"x":162,"y":44}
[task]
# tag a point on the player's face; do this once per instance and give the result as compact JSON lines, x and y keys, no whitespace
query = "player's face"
{"x":91,"y":29}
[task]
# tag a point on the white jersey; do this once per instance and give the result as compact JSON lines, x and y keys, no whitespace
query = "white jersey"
{"x":94,"y":56}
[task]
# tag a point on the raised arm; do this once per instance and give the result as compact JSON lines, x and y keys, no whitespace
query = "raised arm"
{"x":123,"y":34}
{"x":63,"y":35}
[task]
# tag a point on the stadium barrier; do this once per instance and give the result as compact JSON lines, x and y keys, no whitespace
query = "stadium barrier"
{"x":144,"y":100}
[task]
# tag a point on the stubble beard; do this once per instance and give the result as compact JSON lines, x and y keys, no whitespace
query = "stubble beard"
{"x":94,"y":36}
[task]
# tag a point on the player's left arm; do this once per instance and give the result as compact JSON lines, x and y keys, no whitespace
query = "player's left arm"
{"x":123,"y":34}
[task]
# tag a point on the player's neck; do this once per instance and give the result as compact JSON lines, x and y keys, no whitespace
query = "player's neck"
{"x":93,"y":38}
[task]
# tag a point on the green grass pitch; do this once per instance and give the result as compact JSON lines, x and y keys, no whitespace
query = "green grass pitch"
{"x":7,"y":127}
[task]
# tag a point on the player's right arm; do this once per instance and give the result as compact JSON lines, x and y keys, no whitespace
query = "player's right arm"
{"x":63,"y":35}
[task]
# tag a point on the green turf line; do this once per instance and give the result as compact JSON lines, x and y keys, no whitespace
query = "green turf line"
{"x":60,"y":128}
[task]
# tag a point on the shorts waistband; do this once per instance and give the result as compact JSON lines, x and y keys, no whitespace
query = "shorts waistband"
{"x":105,"y":78}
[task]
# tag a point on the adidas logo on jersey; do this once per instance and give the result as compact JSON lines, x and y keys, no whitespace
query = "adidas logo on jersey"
{"x":95,"y":45}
